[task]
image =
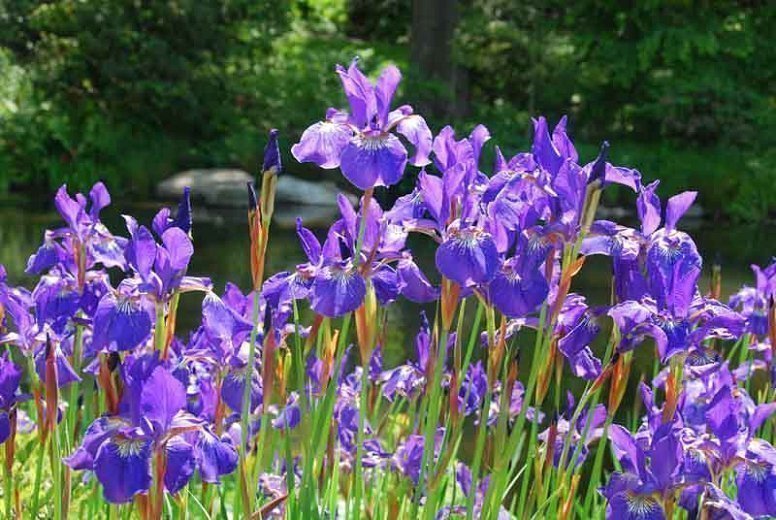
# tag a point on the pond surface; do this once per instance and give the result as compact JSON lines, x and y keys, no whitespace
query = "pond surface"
{"x":221,"y":252}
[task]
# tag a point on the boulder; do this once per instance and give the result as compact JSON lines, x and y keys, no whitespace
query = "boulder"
{"x":315,"y":202}
{"x":213,"y":187}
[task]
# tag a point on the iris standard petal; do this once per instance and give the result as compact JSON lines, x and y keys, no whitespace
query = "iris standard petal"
{"x":70,"y":209}
{"x":384,"y":89}
{"x":648,"y":206}
{"x":360,"y":94}
{"x":678,"y":206}
{"x":162,"y":397}
{"x":543,"y":148}
{"x":310,"y":243}
{"x":141,"y":251}
{"x":100,"y":199}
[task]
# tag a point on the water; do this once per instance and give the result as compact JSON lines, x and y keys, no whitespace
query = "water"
{"x":221,"y":252}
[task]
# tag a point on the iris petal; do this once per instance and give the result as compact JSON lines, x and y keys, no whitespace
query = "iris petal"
{"x":337,"y":290}
{"x":322,"y":144}
{"x":516,"y":294}
{"x":468,"y":257}
{"x":162,"y":397}
{"x":119,"y":324}
{"x":374,"y":159}
{"x":123,"y":467}
{"x":216,"y":456}
{"x":180,"y":464}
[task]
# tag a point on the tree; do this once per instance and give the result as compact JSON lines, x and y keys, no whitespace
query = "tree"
{"x":434,"y":25}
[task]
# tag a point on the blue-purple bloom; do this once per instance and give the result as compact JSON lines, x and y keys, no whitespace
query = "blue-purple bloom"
{"x":122,"y":449}
{"x":363,"y":143}
{"x":10,"y":377}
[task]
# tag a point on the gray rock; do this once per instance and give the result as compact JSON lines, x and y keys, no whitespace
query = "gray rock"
{"x":315,"y":202}
{"x":213,"y":187}
{"x":299,"y":191}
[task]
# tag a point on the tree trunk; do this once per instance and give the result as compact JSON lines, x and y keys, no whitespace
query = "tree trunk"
{"x":433,"y":29}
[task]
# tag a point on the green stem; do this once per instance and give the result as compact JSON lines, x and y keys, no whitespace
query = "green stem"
{"x":247,"y":505}
{"x":358,"y":470}
{"x":8,"y":484}
{"x":483,"y":427}
{"x":73,"y":391}
{"x":504,"y":467}
{"x":595,"y":476}
{"x":432,"y":418}
{"x":56,"y":471}
{"x":159,"y":328}
{"x":36,"y":486}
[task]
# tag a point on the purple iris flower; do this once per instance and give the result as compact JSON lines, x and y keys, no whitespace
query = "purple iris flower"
{"x":668,"y":306}
{"x":752,"y":302}
{"x":363,"y":143}
{"x":577,"y":328}
{"x":409,"y":454}
{"x":703,"y":319}
{"x":668,"y":256}
{"x":161,"y":268}
{"x":734,"y":420}
{"x":408,"y":380}
{"x":651,"y":472}
{"x":586,"y":429}
{"x":468,"y":254}
{"x":121,"y":449}
{"x":444,"y":208}
{"x":338,"y":273}
{"x":520,"y":286}
{"x":85,"y":241}
{"x":555,"y":154}
{"x":515,"y":404}
{"x":10,"y":377}
{"x":289,"y":417}
{"x":124,"y":317}
{"x":224,"y":328}
{"x":473,"y":388}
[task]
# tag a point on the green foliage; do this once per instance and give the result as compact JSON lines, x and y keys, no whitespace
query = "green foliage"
{"x":129,"y":91}
{"x":116,"y":85}
{"x":692,"y":72}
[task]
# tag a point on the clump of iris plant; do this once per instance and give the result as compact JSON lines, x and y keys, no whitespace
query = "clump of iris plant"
{"x":517,"y":396}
